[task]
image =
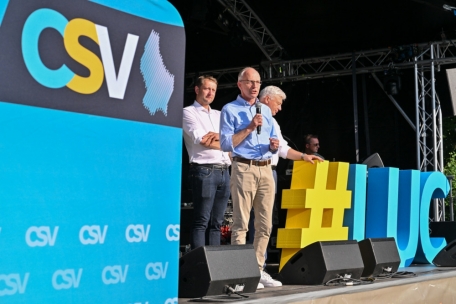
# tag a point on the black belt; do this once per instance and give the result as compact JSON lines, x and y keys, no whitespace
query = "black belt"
{"x":212,"y":166}
{"x":258,"y":163}
{"x":273,"y":167}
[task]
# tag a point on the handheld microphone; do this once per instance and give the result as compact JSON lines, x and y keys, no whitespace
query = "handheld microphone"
{"x":258,"y":111}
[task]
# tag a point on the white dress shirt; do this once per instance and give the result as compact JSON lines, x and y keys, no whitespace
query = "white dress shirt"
{"x":283,"y":145}
{"x":197,"y":122}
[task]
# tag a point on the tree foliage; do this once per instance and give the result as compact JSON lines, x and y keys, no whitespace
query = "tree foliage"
{"x":450,"y":169}
{"x":449,"y":136}
{"x":449,"y":142}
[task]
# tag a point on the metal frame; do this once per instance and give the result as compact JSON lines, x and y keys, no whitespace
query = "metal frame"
{"x":372,"y":61}
{"x":429,"y":121}
{"x":256,"y":29}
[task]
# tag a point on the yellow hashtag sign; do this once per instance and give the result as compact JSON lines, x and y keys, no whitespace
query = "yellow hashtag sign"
{"x":316,"y":203}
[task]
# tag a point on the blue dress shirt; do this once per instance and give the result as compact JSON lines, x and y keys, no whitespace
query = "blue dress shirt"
{"x":235,"y":117}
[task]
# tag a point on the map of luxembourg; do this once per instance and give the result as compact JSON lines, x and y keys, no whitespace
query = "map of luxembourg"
{"x":159,"y":81}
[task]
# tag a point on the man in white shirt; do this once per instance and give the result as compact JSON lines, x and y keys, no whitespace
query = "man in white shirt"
{"x":208,"y":173}
{"x":273,"y":97}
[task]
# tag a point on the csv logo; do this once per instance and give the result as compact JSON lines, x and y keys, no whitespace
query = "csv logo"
{"x":71,"y":32}
{"x":41,"y":236}
{"x":91,"y":235}
{"x":66,"y":279}
{"x":11,"y":284}
{"x":173,"y":232}
{"x":114,"y":274}
{"x":156,"y":271}
{"x":137,"y":233}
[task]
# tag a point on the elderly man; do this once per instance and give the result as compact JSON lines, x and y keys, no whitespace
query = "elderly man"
{"x":208,"y":172}
{"x":273,"y":97}
{"x":247,"y":131}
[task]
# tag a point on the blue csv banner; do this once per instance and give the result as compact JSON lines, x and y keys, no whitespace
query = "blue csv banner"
{"x":91,"y":96}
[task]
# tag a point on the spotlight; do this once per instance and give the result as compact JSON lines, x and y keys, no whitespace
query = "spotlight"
{"x":223,"y":22}
{"x":403,"y":53}
{"x":392,"y":82}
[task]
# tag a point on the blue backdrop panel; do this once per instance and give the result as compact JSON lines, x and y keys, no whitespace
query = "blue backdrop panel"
{"x":90,"y":166}
{"x":79,"y":193}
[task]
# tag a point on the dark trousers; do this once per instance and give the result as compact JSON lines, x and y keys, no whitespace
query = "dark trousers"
{"x":210,"y":190}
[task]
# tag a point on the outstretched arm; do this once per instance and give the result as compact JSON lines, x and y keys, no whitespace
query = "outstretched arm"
{"x":296,"y":155}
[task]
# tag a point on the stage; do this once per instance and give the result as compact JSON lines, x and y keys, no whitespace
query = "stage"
{"x":430,"y":284}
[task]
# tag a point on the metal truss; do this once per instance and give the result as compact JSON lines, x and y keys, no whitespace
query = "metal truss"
{"x":226,"y":78}
{"x":380,"y":60}
{"x":256,"y":29}
{"x":429,"y":114}
{"x":429,"y":120}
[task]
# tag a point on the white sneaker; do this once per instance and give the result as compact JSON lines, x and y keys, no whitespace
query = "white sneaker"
{"x":260,"y":286}
{"x":267,"y":281}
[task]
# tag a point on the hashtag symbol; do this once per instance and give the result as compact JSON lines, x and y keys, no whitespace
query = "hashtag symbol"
{"x":315,"y":205}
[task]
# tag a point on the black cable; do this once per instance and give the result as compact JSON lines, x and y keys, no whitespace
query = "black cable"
{"x":222,"y":298}
{"x":341,"y":281}
{"x":404,"y":274}
{"x":389,"y":275}
{"x":290,"y":141}
{"x":438,"y":269}
{"x":230,"y":290}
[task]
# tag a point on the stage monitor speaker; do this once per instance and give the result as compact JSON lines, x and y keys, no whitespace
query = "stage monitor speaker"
{"x":443,"y":229}
{"x":320,"y":262}
{"x":379,"y":254}
{"x":451,"y":76}
{"x":373,"y":161}
{"x":207,"y":270}
{"x":447,"y":256}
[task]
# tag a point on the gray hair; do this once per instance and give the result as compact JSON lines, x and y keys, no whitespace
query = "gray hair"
{"x":272,"y":91}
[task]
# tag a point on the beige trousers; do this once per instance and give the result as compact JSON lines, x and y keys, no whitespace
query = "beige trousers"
{"x":252,"y":186}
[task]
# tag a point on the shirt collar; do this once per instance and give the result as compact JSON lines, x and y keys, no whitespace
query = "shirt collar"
{"x":199,"y":107}
{"x":244,"y":102}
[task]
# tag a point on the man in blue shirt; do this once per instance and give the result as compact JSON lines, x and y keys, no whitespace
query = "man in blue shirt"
{"x":247,"y":131}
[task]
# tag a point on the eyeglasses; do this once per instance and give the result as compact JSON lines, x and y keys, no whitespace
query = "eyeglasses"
{"x":252,"y":82}
{"x":316,"y":145}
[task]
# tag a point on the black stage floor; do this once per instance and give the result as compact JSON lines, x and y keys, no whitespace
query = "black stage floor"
{"x":421,"y":284}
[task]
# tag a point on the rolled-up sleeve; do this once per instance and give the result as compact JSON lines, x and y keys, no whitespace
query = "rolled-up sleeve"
{"x":192,"y":127}
{"x":226,"y":131}
{"x":273,"y":133}
{"x":283,"y":144}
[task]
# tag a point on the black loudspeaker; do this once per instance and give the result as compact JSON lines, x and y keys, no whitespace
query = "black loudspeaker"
{"x":379,"y":254}
{"x":443,"y":229}
{"x":447,"y":256}
{"x":373,"y":161}
{"x":207,"y":270}
{"x":320,"y":262}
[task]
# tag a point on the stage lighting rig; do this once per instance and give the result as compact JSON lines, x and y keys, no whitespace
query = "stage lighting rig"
{"x":403,"y":53}
{"x":392,"y":82}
